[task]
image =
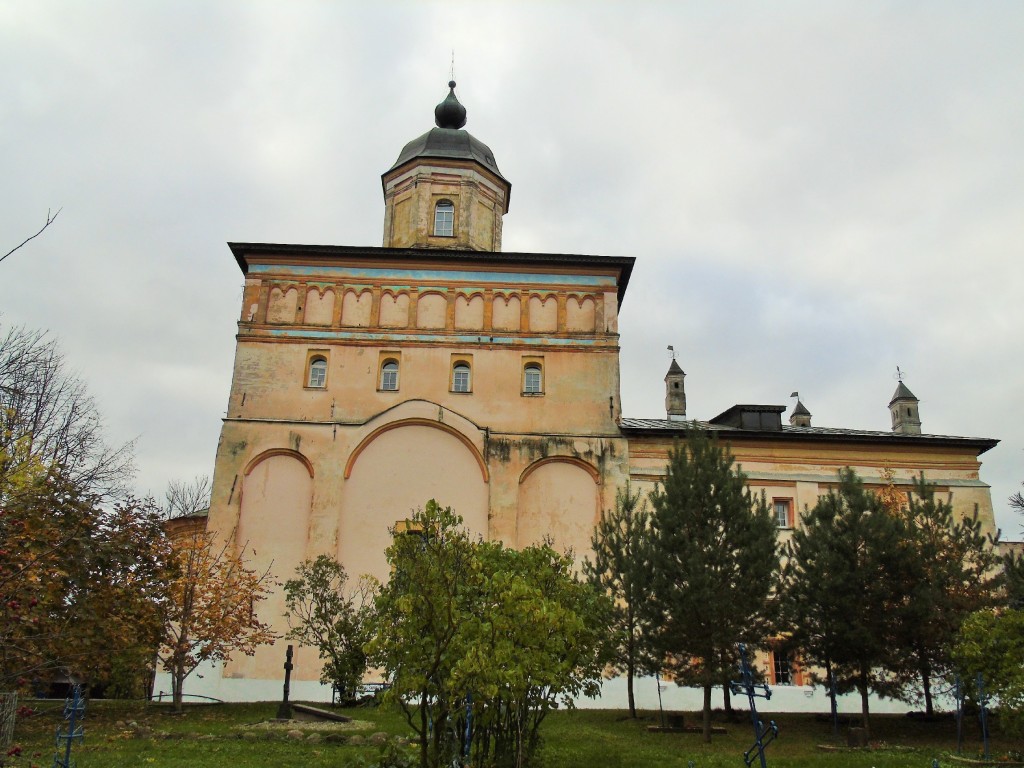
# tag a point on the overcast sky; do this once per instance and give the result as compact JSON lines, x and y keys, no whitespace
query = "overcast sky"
{"x":815,"y":192}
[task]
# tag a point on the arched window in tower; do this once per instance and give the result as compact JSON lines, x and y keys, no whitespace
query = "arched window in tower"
{"x":317,"y":373}
{"x":389,"y":376}
{"x":461,"y":379}
{"x":444,"y":219}
{"x":533,"y":379}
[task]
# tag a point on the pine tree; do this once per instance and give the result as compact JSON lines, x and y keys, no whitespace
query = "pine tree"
{"x":713,"y":563}
{"x":621,"y":570}
{"x":842,"y":586}
{"x":951,"y":573}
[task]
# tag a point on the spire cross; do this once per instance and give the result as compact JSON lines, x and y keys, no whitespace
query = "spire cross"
{"x":451,"y":72}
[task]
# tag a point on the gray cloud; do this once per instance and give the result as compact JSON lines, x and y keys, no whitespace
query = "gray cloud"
{"x":815,"y":193}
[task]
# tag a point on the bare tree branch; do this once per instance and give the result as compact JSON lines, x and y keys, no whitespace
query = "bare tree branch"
{"x":49,"y":220}
{"x":185,"y":498}
{"x":47,"y":415}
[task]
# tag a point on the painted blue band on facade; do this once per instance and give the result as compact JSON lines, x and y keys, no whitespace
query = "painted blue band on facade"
{"x":414,"y":278}
{"x":444,"y":339}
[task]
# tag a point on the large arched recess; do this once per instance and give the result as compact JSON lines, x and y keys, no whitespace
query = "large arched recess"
{"x":397,"y":469}
{"x":273,"y":528}
{"x":558,"y":499}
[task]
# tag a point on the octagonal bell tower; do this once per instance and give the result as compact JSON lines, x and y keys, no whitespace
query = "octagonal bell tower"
{"x":445,"y":190}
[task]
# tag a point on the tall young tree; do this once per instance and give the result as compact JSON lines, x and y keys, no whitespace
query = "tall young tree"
{"x":991,"y":642}
{"x":470,"y":625}
{"x":334,"y":619}
{"x":621,"y":569}
{"x":950,"y":574}
{"x":713,"y":560}
{"x":843,"y":586}
{"x":210,"y":611}
{"x":416,"y":636}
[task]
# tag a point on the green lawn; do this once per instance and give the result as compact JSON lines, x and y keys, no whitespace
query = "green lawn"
{"x":211,"y":736}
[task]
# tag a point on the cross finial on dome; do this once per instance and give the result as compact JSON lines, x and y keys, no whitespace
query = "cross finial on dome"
{"x":450,"y":113}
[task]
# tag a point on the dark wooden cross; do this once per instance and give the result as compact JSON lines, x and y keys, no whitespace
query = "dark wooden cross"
{"x":284,"y":712}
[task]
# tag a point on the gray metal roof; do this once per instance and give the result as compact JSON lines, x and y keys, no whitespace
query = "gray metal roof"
{"x":902,"y":393}
{"x":448,"y":144}
{"x":789,"y":432}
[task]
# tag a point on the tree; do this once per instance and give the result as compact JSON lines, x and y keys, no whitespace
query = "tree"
{"x":49,"y":220}
{"x":842,"y":587}
{"x":537,"y":641}
{"x":210,"y":611}
{"x":713,"y":562}
{"x":991,"y":642}
{"x":621,"y":570}
{"x":469,"y":624}
{"x":1017,"y":502}
{"x":49,"y":420}
{"x":419,"y":613}
{"x":951,"y":573}
{"x":1013,"y":580}
{"x":185,"y":498}
{"x":323,"y":615}
{"x":79,"y":585}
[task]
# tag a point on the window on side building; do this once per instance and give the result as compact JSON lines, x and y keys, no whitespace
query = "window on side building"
{"x":782,"y":667}
{"x":783,"y":509}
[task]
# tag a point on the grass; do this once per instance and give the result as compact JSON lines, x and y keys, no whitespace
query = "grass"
{"x":209,"y":736}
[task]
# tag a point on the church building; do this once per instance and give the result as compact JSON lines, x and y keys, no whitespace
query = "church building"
{"x":369,"y":380}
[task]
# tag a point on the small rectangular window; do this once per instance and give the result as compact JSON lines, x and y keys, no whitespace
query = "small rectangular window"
{"x":783,"y":509}
{"x":782,"y":667}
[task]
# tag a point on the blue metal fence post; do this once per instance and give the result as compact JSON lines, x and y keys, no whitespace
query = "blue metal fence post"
{"x":982,"y":714}
{"x":763,"y":736}
{"x":958,"y":694}
{"x":74,"y":711}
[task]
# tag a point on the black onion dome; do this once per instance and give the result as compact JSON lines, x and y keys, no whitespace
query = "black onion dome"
{"x":450,"y":113}
{"x":448,"y":140}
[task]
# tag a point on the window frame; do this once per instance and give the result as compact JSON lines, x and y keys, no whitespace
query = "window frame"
{"x":785,"y":662}
{"x":530,"y":369}
{"x":460,"y":368}
{"x":776,"y":503}
{"x":442,"y":222}
{"x":389,"y":374}
{"x":317,"y":365}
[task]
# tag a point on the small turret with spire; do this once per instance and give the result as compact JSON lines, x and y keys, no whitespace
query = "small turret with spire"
{"x":800,"y":417}
{"x":675,"y":391}
{"x":906,"y":418}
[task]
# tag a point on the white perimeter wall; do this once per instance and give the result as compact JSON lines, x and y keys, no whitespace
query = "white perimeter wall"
{"x":207,"y":680}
